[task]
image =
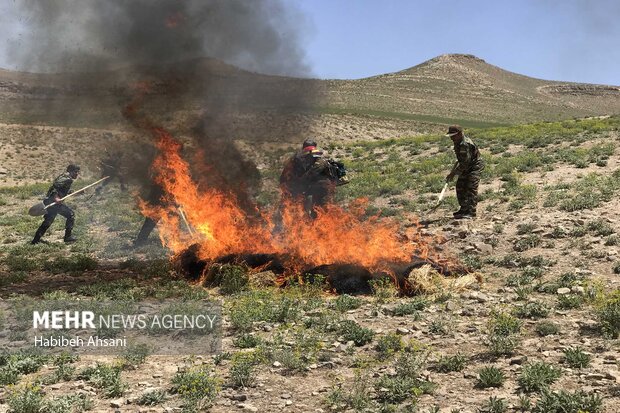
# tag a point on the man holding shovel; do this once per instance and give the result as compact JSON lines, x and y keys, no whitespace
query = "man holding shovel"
{"x":59,"y":189}
{"x":468,"y":166}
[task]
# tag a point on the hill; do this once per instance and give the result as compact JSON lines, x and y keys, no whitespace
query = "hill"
{"x":446,"y":89}
{"x":464,"y":87}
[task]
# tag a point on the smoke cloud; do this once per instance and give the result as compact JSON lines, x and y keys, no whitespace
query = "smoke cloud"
{"x":171,"y":54}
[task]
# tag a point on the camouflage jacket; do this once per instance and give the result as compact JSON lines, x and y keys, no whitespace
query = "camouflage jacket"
{"x":110,"y":166}
{"x":61,"y":186}
{"x":468,"y":157}
{"x":304,"y":170}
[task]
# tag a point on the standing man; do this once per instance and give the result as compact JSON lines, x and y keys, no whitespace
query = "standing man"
{"x":468,"y":166}
{"x":110,"y":166}
{"x":60,"y":188}
{"x":154,"y":198}
{"x":308,"y":177}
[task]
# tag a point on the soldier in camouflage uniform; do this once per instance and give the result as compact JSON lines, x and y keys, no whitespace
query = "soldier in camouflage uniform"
{"x":110,"y":166}
{"x":308,"y":177}
{"x":59,"y":189}
{"x":468,"y":167}
{"x":154,"y":198}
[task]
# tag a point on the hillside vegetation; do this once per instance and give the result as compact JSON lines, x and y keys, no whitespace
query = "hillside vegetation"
{"x":539,"y":334}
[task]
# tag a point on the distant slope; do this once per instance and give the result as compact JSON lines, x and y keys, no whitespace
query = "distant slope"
{"x":466,"y":87}
{"x":446,"y":89}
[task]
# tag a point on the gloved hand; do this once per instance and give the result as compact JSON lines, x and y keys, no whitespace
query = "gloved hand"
{"x":450,"y":177}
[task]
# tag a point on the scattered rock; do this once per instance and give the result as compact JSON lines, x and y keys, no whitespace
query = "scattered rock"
{"x":239,"y":397}
{"x":518,"y":360}
{"x":563,"y":291}
{"x":117,"y":403}
{"x":577,"y":289}
{"x":596,"y":376}
{"x":285,"y":396}
{"x":277,"y":364}
{"x":248,"y":407}
{"x":402,"y":331}
{"x":483,"y":248}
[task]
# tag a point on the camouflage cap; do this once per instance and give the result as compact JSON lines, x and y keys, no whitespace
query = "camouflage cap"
{"x":73,"y":168}
{"x":454,"y":130}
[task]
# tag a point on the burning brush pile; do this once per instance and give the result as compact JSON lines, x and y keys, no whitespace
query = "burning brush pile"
{"x":206,"y":226}
{"x":168,"y":60}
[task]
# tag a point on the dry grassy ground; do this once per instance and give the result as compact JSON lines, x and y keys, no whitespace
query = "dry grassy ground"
{"x":544,"y":320}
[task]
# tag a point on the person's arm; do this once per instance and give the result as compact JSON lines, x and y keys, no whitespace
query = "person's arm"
{"x":463,"y":162}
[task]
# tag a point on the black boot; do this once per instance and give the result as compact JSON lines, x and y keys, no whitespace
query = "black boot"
{"x":68,"y":237}
{"x":37,"y":237}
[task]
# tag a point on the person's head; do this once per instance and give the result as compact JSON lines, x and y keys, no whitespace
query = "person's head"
{"x":74,"y":170}
{"x":309,"y":144}
{"x":455,"y":132}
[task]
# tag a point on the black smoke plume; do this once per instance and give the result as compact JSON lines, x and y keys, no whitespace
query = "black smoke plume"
{"x":190,"y":66}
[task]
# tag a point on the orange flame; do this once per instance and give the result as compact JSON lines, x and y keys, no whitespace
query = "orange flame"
{"x":221,"y":227}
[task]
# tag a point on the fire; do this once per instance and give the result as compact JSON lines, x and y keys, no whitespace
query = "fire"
{"x":221,"y":227}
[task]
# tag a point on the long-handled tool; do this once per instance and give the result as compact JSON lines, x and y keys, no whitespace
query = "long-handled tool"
{"x":187,"y":225}
{"x":441,"y":196}
{"x":40,"y":208}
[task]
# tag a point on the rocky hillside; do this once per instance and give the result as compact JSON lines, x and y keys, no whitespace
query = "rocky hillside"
{"x":466,"y":87}
{"x":445,"y":89}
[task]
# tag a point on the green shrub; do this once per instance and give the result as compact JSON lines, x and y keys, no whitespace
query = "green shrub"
{"x":351,"y":331}
{"x":446,"y":364}
{"x":136,"y":354}
{"x":600,"y":227}
{"x":576,"y":358}
{"x":537,"y":376}
{"x":151,"y":398}
{"x":503,"y":324}
{"x":527,"y":242}
{"x":502,"y":345}
{"x":196,"y":386}
{"x":354,"y":396}
{"x":406,"y":383}
{"x":570,"y":301}
{"x":532,"y":309}
{"x":242,"y":369}
{"x":526,"y":228}
{"x":345,"y":302}
{"x":68,"y":404}
{"x":608,"y":313}
{"x":490,"y":376}
{"x":234,"y":279}
{"x":388,"y":345}
{"x":247,"y":341}
{"x":546,"y":328}
{"x":494,"y":405}
{"x":106,"y":378}
{"x":8,"y":375}
{"x":410,"y":307}
{"x":27,"y":399}
{"x":566,"y":402}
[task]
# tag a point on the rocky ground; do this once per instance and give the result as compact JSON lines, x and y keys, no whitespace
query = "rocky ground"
{"x":544,"y":319}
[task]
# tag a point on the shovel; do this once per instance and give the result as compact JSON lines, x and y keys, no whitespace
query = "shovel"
{"x":40,"y":208}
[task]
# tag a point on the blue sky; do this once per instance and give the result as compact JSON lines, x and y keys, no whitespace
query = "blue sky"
{"x":571,"y":40}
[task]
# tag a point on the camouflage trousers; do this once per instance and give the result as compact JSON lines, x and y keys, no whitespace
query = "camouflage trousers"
{"x":467,"y":191}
